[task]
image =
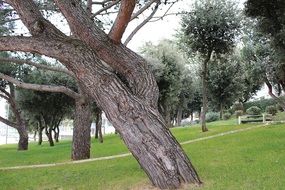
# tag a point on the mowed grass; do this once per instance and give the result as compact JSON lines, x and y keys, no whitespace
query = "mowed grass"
{"x":253,"y":159}
{"x":113,"y":145}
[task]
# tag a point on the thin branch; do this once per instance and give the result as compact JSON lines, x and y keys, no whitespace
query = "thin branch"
{"x":165,"y":13}
{"x":89,"y":7}
{"x":123,"y":18}
{"x":141,"y":25}
{"x":41,"y":66}
{"x":145,"y":7}
{"x":110,"y":5}
{"x":44,"y":88}
{"x":10,"y":20}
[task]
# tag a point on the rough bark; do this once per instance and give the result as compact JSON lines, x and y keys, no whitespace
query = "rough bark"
{"x":131,"y":107}
{"x":81,"y":131}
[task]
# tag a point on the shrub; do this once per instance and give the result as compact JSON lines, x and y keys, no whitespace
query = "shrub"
{"x":262,"y":104}
{"x":271,"y":110}
{"x":212,"y":116}
{"x":254,"y":110}
{"x":238,"y":113}
{"x":227,"y":115}
{"x":279,"y":108}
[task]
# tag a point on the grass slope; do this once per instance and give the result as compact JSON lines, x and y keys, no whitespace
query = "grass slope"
{"x":252,"y":159}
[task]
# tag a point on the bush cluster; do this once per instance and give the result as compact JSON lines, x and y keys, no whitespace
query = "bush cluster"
{"x":254,"y":110}
{"x":212,"y":116}
{"x":227,"y":116}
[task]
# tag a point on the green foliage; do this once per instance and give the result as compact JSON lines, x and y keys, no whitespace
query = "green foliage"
{"x":212,"y":116}
{"x":224,"y":81}
{"x":211,"y":26}
{"x":271,"y":110}
{"x":227,"y":116}
{"x":262,"y":104}
{"x":270,"y":16}
{"x":254,"y":110}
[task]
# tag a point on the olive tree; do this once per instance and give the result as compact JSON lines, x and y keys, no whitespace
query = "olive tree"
{"x":210,"y":27}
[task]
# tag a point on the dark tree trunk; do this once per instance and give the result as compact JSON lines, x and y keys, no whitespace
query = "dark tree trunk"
{"x":40,"y":136}
{"x":205,"y":92}
{"x":179,"y":116}
{"x":280,"y":101}
{"x":48,"y":130}
{"x":24,"y":138}
{"x":81,"y":131}
{"x":56,"y":133}
{"x":35,"y":134}
{"x":99,"y":125}
{"x":191,"y":116}
{"x":221,"y":110}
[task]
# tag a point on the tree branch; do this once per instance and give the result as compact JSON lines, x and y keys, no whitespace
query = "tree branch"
{"x":110,"y":5}
{"x":145,"y":7}
{"x":7,"y":122}
{"x":44,"y":88}
{"x":122,"y":20}
{"x":41,"y":66}
{"x":141,"y":25}
{"x":125,"y":62}
{"x":32,"y":18}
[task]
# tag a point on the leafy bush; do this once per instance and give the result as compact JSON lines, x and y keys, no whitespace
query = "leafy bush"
{"x":271,"y":110}
{"x":238,"y":113}
{"x":212,"y":116}
{"x":279,"y":108}
{"x":254,"y":110}
{"x":227,"y":115}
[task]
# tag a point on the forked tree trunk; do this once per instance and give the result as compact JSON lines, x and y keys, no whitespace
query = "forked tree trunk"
{"x":98,"y":133}
{"x":81,"y":131}
{"x":48,"y":130}
{"x":24,"y":138}
{"x":56,"y":133}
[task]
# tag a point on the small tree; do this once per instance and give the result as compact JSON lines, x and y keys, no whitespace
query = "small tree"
{"x":209,"y":28}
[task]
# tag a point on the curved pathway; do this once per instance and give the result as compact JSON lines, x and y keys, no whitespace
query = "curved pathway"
{"x":123,"y":155}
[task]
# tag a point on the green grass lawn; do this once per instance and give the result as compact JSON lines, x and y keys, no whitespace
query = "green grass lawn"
{"x":253,"y":159}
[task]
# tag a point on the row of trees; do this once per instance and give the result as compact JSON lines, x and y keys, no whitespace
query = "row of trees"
{"x":102,"y":69}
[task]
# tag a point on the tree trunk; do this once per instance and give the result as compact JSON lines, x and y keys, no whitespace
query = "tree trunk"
{"x":99,"y":125}
{"x":179,"y":116}
{"x":24,"y":137}
{"x":221,"y":111}
{"x":280,"y":101}
{"x":205,"y":93}
{"x":191,"y":116}
{"x":40,"y":136}
{"x":56,"y":133}
{"x":49,"y":135}
{"x":81,"y":131}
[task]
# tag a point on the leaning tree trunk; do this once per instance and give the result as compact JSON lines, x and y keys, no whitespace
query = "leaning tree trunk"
{"x":98,"y":133}
{"x":56,"y":133}
{"x":81,"y":130}
{"x":23,"y":137}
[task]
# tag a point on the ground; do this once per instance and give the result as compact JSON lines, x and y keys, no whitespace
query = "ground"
{"x":252,"y":159}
